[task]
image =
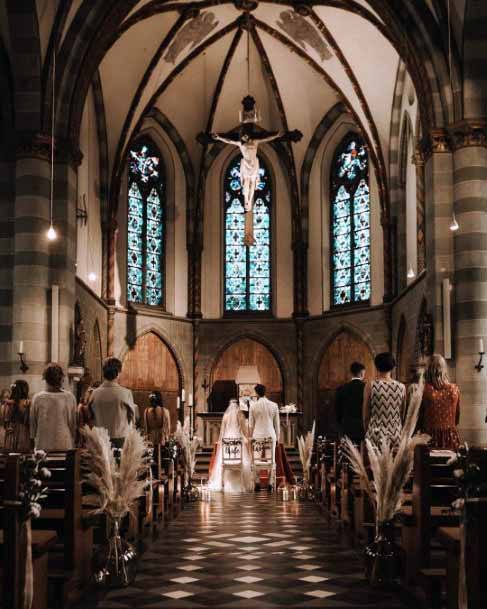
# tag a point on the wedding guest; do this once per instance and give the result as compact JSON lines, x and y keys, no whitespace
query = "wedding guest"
{"x":84,"y":414}
{"x":157,"y":420}
{"x":384,"y":403}
{"x":4,"y":397}
{"x":16,"y":418}
{"x":113,"y":405}
{"x":440,"y":409}
{"x":53,"y":413}
{"x":348,"y":404}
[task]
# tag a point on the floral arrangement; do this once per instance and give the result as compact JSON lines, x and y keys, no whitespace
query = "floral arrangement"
{"x":305,"y":445}
{"x":189,"y":445}
{"x":468,"y":477}
{"x":390,"y":466}
{"x":116,"y":477}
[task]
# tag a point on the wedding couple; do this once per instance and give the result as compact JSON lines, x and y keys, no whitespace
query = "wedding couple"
{"x":263,"y":423}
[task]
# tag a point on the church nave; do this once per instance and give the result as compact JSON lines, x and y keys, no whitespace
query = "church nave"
{"x":249,"y":551}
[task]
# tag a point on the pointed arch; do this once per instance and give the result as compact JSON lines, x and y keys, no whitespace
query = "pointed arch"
{"x":350,"y":223}
{"x":146,"y":217}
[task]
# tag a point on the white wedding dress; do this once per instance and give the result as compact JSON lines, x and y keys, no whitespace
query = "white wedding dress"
{"x":234,"y":425}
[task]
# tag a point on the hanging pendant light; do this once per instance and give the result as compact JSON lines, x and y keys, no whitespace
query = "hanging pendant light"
{"x":411,"y":273}
{"x":52,"y":233}
{"x":454,"y":226}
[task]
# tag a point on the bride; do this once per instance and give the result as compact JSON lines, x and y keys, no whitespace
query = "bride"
{"x":234,"y":426}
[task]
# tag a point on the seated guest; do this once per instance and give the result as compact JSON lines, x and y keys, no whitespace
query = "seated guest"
{"x":4,"y":398}
{"x":440,"y":409}
{"x":349,"y":402}
{"x":384,"y":403}
{"x":157,"y":420}
{"x":53,"y":413}
{"x":113,"y":405}
{"x":16,"y":418}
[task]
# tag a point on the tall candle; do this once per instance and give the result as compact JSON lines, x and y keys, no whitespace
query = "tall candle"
{"x":183,"y":395}
{"x":178,"y":403}
{"x":190,"y":399}
{"x":21,"y":346}
{"x":481,"y":345}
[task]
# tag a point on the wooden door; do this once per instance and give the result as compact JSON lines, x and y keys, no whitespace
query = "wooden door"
{"x":150,"y":366}
{"x":334,"y":371}
{"x":248,"y":352}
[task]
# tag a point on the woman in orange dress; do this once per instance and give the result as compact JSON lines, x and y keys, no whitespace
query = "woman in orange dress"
{"x":441,"y":406}
{"x":17,"y":437}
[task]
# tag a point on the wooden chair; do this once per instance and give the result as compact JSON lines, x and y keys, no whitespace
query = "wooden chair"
{"x":264,"y":458}
{"x":232,"y":457}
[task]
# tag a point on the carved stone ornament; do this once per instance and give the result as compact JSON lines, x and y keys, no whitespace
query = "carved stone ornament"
{"x":246,"y":5}
{"x":425,"y":335}
{"x":38,"y":145}
{"x":437,"y":141}
{"x":468,"y":133}
{"x":79,"y":347}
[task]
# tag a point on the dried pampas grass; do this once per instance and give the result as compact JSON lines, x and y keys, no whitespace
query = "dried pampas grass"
{"x":390,"y":467}
{"x":117,"y":484}
{"x":189,"y":446}
{"x":305,"y":445}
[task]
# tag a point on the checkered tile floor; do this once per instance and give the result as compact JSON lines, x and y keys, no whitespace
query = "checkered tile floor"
{"x":252,"y":552}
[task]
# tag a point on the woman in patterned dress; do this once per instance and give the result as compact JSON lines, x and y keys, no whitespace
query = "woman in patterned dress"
{"x":384,"y":403}
{"x":440,"y":410}
{"x":4,"y":398}
{"x":16,"y":418}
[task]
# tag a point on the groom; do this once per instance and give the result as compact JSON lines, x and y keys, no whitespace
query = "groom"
{"x":264,"y":418}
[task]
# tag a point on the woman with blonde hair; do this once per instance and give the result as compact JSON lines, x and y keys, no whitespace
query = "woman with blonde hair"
{"x":440,"y":410}
{"x":16,"y":418}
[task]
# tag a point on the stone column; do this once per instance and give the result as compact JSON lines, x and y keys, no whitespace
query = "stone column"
{"x":438,"y":177}
{"x":469,"y":142}
{"x":420,"y":212}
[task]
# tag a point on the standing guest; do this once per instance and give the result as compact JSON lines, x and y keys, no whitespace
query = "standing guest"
{"x":384,"y":403}
{"x":53,"y":414}
{"x":16,"y":418}
{"x":440,"y":409}
{"x":4,"y":397}
{"x":113,"y":405}
{"x":349,"y":402}
{"x":85,"y":415}
{"x":157,"y":420}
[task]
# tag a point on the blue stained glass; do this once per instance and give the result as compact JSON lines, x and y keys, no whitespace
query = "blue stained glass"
{"x":145,"y":225}
{"x":350,"y":223}
{"x":247,"y":268}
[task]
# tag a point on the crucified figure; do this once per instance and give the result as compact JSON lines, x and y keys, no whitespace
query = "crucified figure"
{"x":249,"y":165}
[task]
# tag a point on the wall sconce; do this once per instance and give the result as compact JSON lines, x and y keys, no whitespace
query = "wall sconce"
{"x":23,"y":366}
{"x":479,"y":366}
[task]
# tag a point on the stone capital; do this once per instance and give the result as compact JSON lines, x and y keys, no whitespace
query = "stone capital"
{"x":436,"y":141}
{"x":468,"y":133}
{"x":38,"y":146}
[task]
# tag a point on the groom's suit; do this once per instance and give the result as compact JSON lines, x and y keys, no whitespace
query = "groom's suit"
{"x":264,"y":420}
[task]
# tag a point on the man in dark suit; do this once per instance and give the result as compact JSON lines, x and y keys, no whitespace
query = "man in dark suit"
{"x":348,"y":404}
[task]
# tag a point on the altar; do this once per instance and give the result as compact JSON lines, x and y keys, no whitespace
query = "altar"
{"x":212,"y":423}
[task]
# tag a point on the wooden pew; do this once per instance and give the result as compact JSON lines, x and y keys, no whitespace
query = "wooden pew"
{"x":10,"y":540}
{"x":70,"y":562}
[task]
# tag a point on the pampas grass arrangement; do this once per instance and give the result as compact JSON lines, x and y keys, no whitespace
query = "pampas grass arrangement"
{"x":305,"y":445}
{"x":390,"y":466}
{"x":117,"y":483}
{"x":189,"y":445}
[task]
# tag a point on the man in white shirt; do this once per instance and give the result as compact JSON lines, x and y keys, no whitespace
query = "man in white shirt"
{"x":264,"y":419}
{"x":113,"y":405}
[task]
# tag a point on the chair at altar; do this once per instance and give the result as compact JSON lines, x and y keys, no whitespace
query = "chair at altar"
{"x":232,"y":457}
{"x":264,"y":458}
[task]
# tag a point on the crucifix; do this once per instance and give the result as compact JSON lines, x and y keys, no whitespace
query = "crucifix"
{"x":247,"y":138}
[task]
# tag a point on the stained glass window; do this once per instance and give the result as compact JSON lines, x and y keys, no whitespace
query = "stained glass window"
{"x":350,"y":223}
{"x":145,"y":238}
{"x":247,"y":268}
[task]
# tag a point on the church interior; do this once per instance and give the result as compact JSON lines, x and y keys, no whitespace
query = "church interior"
{"x":127,"y":231}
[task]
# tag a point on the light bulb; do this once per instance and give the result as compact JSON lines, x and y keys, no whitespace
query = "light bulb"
{"x":92,"y":276}
{"x":411,"y":273}
{"x":51,"y":233}
{"x":454,"y":224}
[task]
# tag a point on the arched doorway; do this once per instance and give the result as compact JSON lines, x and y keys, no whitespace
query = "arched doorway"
{"x":151,"y":365}
{"x":244,"y":352}
{"x":334,"y":371}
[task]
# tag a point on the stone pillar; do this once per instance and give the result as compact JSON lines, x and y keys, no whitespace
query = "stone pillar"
{"x":438,"y":177}
{"x":469,"y":142}
{"x":300,"y":260}
{"x":420,"y":212}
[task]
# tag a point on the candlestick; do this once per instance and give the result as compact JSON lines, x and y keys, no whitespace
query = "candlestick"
{"x":183,"y":395}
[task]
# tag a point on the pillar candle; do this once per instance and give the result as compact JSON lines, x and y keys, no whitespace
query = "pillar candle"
{"x":481,"y":345}
{"x":190,"y":400}
{"x":183,"y":395}
{"x":21,"y":346}
{"x":178,"y":404}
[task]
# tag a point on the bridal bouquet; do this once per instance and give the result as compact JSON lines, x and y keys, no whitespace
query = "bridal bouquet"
{"x":305,"y":445}
{"x":189,"y":445}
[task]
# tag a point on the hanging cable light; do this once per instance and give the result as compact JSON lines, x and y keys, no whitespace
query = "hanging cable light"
{"x":51,"y":233}
{"x":411,"y":273}
{"x":454,"y":226}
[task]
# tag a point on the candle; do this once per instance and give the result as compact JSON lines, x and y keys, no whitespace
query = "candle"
{"x":285,"y":494}
{"x":178,"y":403}
{"x":481,"y":345}
{"x":190,"y":400}
{"x":21,"y":347}
{"x":295,"y":494}
{"x":183,"y":395}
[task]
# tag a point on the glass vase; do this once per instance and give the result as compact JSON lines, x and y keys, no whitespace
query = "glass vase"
{"x":115,"y":563}
{"x":383,"y":557}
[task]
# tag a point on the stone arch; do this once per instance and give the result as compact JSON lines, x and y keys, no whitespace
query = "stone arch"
{"x":475,"y":83}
